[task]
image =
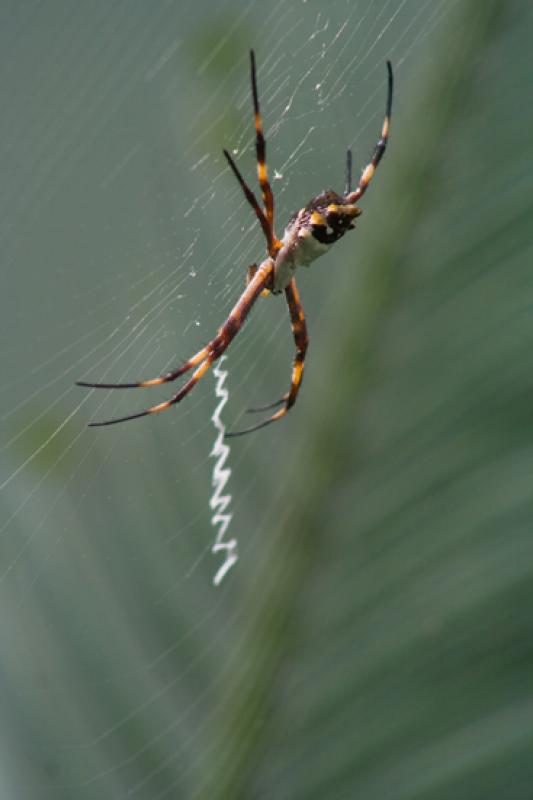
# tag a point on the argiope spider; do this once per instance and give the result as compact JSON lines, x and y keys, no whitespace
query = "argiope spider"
{"x":308,"y":235}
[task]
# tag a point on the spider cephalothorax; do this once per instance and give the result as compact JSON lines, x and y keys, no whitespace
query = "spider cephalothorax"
{"x":308,"y":235}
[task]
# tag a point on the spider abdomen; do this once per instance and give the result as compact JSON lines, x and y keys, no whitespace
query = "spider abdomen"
{"x":311,"y":232}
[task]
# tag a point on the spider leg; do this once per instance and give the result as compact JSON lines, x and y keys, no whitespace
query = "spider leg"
{"x":167,"y":378}
{"x":216,"y":346}
{"x":301,"y":340}
{"x":252,"y":269}
{"x":379,"y":150}
{"x":265,"y":217}
{"x":276,"y":403}
{"x":185,"y":389}
{"x":348,"y":185}
{"x":260,"y":148}
{"x":250,"y":196}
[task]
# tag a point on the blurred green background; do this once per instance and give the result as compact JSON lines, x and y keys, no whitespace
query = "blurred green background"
{"x":375,"y":639}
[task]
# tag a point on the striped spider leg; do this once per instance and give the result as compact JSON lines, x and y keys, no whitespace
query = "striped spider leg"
{"x":308,"y":235}
{"x":259,"y":281}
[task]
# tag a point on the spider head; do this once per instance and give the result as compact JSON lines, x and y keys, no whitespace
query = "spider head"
{"x":330,"y":216}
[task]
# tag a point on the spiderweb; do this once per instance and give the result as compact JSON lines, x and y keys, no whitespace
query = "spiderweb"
{"x":125,"y":242}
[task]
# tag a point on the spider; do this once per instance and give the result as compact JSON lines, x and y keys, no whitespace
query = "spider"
{"x":309,"y":234}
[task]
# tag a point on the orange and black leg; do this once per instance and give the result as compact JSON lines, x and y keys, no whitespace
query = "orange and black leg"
{"x":260,"y":148}
{"x":266,"y":216}
{"x":206,"y":356}
{"x":250,"y":196}
{"x":301,"y":341}
{"x":379,"y":150}
{"x":167,"y":378}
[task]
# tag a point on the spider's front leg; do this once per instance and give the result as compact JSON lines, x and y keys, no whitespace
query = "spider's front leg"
{"x":249,"y":277}
{"x":211,"y":352}
{"x":301,"y":341}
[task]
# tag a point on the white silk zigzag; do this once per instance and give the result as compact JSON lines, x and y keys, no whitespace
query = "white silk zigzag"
{"x":219,"y":502}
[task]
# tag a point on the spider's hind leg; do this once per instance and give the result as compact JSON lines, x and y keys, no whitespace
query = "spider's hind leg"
{"x":260,"y":148}
{"x":379,"y":150}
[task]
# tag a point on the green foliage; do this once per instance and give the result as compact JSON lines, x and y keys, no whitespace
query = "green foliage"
{"x":375,"y":639}
{"x":390,"y":650}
